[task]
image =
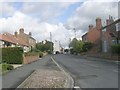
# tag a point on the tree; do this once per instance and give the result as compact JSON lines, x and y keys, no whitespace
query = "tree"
{"x":73,"y":42}
{"x":45,"y":47}
{"x":76,"y":46}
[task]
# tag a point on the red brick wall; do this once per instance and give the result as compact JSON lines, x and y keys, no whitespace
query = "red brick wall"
{"x":93,"y":35}
{"x":29,"y":59}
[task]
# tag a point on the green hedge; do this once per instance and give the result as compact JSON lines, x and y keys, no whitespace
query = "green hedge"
{"x":115,"y":49}
{"x":12,"y":55}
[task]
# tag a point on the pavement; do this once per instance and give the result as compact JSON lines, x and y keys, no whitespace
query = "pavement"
{"x":90,"y":73}
{"x":15,"y":77}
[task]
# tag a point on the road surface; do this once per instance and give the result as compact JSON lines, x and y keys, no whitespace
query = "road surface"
{"x":90,"y":73}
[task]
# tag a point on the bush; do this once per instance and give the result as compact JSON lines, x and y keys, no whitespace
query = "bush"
{"x":87,"y":46}
{"x":7,"y":67}
{"x":12,"y":55}
{"x":115,"y":49}
{"x":40,"y":54}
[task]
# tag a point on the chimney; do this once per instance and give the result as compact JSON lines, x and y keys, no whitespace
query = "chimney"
{"x":21,"y":31}
{"x":16,"y":34}
{"x":107,"y":21}
{"x":30,"y":33}
{"x":98,"y":23}
{"x":90,"y":27}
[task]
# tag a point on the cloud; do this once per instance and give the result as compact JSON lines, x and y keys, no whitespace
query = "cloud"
{"x":40,"y":30}
{"x":87,"y":13}
{"x":6,"y":9}
{"x":45,"y":11}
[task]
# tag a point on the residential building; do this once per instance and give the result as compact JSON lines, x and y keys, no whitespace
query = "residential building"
{"x":102,"y":39}
{"x":26,"y":41}
{"x":84,"y":37}
{"x":56,"y":47}
{"x":110,"y":35}
{"x":94,"y":33}
{"x":6,"y":42}
{"x":9,"y":40}
{"x":26,"y":37}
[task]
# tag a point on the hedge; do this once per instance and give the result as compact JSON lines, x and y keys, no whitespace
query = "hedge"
{"x":12,"y":55}
{"x":115,"y":49}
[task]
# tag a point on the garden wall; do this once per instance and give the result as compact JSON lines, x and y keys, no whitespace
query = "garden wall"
{"x":29,"y":59}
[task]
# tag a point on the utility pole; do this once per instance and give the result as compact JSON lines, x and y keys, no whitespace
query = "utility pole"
{"x":51,"y":43}
{"x":74,"y":31}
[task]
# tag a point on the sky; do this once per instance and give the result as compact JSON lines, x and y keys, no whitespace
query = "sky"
{"x":56,"y":16}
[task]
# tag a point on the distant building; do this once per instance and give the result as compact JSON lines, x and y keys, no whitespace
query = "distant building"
{"x":56,"y":47}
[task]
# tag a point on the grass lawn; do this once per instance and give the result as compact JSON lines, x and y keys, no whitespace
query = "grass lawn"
{"x":5,"y":68}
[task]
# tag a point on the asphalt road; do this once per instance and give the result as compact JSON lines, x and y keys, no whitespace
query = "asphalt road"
{"x":89,"y":73}
{"x":15,"y":77}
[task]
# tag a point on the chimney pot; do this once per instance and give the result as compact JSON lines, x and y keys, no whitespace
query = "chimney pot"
{"x":16,"y":34}
{"x":21,"y":30}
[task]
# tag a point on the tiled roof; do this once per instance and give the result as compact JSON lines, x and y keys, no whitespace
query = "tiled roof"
{"x":11,"y":38}
{"x":5,"y":38}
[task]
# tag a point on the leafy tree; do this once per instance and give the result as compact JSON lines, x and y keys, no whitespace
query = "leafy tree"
{"x":73,"y":42}
{"x":78,"y":47}
{"x":45,"y":47}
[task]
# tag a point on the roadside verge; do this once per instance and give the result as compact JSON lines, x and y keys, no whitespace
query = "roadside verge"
{"x":70,"y":82}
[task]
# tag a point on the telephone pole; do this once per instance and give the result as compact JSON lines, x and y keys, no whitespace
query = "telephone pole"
{"x":74,"y":31}
{"x":51,"y":43}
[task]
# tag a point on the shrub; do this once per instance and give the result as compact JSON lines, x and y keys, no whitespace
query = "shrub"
{"x":115,"y":49}
{"x":87,"y":46}
{"x":12,"y":55}
{"x":7,"y":67}
{"x":40,"y":54}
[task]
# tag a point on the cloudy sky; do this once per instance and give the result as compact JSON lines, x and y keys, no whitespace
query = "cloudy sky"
{"x":56,"y":16}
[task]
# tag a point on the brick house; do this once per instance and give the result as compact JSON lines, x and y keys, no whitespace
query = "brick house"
{"x":102,"y":39}
{"x":84,"y":37}
{"x":26,"y":37}
{"x":6,"y":42}
{"x":110,"y":35}
{"x":9,"y":40}
{"x":26,"y":41}
{"x":94,"y":34}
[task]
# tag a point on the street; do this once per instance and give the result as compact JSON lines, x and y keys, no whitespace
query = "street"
{"x":89,"y":73}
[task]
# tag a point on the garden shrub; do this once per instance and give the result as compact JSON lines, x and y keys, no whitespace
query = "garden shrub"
{"x":40,"y":54}
{"x":12,"y":55}
{"x":115,"y":49}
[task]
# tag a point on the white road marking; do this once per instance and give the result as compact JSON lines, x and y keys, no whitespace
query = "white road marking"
{"x":76,"y":87}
